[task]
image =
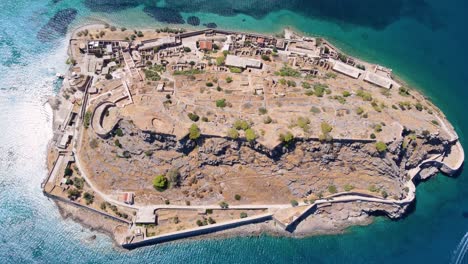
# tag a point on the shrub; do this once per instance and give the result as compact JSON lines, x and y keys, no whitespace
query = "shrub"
{"x":113,"y":28}
{"x":221,"y":103}
{"x":205,"y":119}
{"x":228,"y":79}
{"x":262,"y":110}
{"x":418,"y":106}
{"x":381,"y":147}
{"x":103,"y":206}
{"x":291,"y":83}
{"x":266,"y":57}
{"x":117,"y":143}
{"x":160,"y":182}
{"x":93,"y":143}
{"x":315,"y":110}
{"x":211,"y":221}
{"x":434,"y":122}
{"x":194,"y":132}
{"x":403,"y":91}
{"x":306,"y":85}
{"x":243,"y":215}
{"x":309,"y":93}
{"x":224,"y":205}
{"x":187,"y":49}
{"x":348,"y":187}
{"x":378,"y":128}
{"x":372,"y":188}
{"x":372,"y":136}
{"x":339,"y":99}
{"x":119,"y":132}
{"x":241,"y":124}
{"x":384,"y":194}
{"x":288,"y":71}
{"x":232,"y":133}
{"x":294,"y":203}
{"x":237,"y":197}
{"x":267,"y":120}
{"x":342,"y":57}
{"x":250,"y":135}
{"x":78,"y":183}
{"x":123,"y":28}
{"x":364,"y":95}
{"x":346,"y":94}
{"x":74,"y":194}
{"x":199,"y":222}
{"x":87,"y":119}
{"x":89,"y":198}
{"x":173,"y":176}
{"x":235,"y":70}
{"x":193,"y":117}
{"x":209,"y":84}
{"x":330,"y":75}
{"x":326,"y":128}
{"x":167,"y":202}
{"x":359,"y":110}
{"x":319,"y":89}
{"x":332,"y":189}
{"x":286,"y":138}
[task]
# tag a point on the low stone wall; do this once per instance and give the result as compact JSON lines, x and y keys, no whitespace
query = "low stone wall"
{"x":198,"y":231}
{"x":61,"y":199}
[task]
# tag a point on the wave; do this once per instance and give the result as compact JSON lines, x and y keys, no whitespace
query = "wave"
{"x":462,"y":248}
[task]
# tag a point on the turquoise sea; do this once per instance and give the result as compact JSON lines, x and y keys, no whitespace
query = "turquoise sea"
{"x":424,"y":41}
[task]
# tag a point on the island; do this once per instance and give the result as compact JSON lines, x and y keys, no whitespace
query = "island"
{"x":163,"y":134}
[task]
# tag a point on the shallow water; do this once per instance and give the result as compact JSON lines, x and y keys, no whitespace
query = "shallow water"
{"x":423,"y":41}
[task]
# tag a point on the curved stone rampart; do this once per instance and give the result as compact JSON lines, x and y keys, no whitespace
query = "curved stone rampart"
{"x":98,"y":118}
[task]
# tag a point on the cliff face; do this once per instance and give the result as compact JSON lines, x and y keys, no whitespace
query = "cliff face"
{"x":218,"y":166}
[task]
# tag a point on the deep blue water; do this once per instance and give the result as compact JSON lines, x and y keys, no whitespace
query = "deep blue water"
{"x":424,"y":41}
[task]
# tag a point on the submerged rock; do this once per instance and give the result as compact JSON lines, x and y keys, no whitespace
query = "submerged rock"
{"x":111,"y":5}
{"x":210,"y":25}
{"x":57,"y":25}
{"x":166,"y":15}
{"x":193,"y":20}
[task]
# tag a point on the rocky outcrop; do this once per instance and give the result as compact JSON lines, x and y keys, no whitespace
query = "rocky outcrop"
{"x":307,"y":166}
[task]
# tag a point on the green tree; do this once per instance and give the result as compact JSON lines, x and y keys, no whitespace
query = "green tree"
{"x":160,"y":182}
{"x":89,"y":198}
{"x":250,"y":135}
{"x":194,"y":132}
{"x":381,"y":147}
{"x":237,"y":197}
{"x":232,"y":133}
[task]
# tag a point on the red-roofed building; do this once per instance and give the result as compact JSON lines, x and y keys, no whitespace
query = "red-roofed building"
{"x":127,"y":198}
{"x":205,"y":45}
